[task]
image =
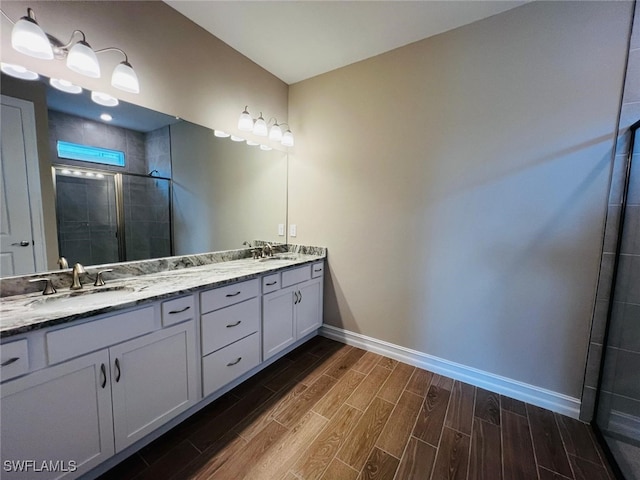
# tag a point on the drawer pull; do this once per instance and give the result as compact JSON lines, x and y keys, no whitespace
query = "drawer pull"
{"x":103,"y":370}
{"x":173,"y":312}
{"x":271,"y":283}
{"x":234,"y":363}
{"x":233,"y":294}
{"x":10,"y":361}
{"x":234,"y":324}
{"x":117,"y":370}
{"x":317,"y":269}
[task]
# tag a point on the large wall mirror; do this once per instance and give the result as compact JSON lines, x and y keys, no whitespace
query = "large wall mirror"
{"x":181,"y":190}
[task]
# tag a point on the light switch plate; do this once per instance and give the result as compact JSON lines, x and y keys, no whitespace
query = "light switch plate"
{"x":281,"y":229}
{"x":293,"y":230}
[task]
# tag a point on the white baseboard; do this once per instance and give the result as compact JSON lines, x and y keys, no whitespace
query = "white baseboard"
{"x":554,"y":401}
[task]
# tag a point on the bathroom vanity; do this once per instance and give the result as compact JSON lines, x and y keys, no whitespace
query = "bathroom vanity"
{"x":94,"y":376}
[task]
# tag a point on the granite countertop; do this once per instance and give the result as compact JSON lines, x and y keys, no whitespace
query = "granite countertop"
{"x":32,"y":311}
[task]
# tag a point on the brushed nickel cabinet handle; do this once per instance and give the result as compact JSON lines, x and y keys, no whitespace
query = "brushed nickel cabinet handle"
{"x":271,"y":283}
{"x":234,"y":363}
{"x":234,"y":324}
{"x":103,"y":370}
{"x":317,"y":269}
{"x":118,"y":372}
{"x":233,"y":294}
{"x":10,"y":361}
{"x":172,"y":312}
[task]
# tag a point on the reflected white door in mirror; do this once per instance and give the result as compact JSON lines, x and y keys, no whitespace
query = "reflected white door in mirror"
{"x":21,"y":229}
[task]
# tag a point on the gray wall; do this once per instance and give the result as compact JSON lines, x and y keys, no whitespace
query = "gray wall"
{"x":460,"y":184}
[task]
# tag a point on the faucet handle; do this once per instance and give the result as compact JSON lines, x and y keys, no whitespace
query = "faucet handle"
{"x":48,"y":288}
{"x":99,"y":280}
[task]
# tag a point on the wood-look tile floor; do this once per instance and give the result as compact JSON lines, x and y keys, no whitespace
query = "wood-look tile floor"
{"x":335,"y":412}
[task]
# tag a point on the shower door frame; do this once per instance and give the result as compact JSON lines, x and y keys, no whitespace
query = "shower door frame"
{"x":119,"y":194}
{"x":613,"y":462}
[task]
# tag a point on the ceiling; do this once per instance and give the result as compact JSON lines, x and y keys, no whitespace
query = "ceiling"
{"x":296,"y":40}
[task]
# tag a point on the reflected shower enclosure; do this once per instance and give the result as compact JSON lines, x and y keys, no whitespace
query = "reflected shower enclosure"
{"x":105,"y":217}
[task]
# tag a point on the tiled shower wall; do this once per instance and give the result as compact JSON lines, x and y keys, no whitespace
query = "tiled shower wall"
{"x":86,"y":209}
{"x":630,"y":249}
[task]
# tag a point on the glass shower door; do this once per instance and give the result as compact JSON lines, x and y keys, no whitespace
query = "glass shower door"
{"x":87,"y":216}
{"x":618,"y":407}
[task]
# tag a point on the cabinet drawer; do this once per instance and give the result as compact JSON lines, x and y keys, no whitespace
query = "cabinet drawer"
{"x":227,"y":325}
{"x":225,"y":296}
{"x":271,"y":283}
{"x":317,"y":269}
{"x":227,"y":364}
{"x":296,"y":275}
{"x":14,"y":359}
{"x":88,"y":337}
{"x":177,"y":310}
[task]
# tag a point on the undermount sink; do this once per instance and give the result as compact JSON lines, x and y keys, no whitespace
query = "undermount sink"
{"x":82,"y":298}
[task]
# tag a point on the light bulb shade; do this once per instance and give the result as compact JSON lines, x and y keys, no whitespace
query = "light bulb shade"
{"x":18,"y":71}
{"x":245,"y":122}
{"x":260,"y":127}
{"x":82,"y":59}
{"x":221,"y":134}
{"x":266,"y":148}
{"x":275,"y":133}
{"x":27,"y":37}
{"x":104,"y":99}
{"x":125,"y":78}
{"x":287,"y":139}
{"x":235,"y":138}
{"x":251,"y":143}
{"x":65,"y":85}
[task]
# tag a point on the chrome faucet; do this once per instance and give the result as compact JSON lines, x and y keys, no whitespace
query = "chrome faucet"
{"x":78,"y":270}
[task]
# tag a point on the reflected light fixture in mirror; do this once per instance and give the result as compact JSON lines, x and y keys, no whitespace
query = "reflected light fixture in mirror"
{"x":221,"y":134}
{"x":28,"y":38}
{"x":65,"y":86}
{"x":104,"y":99}
{"x":19,"y":71}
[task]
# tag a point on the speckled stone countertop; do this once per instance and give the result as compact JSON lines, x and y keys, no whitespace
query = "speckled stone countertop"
{"x":32,"y":311}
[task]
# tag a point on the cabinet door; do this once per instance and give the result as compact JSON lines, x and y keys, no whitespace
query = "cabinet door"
{"x":60,"y":416}
{"x":153,"y":380}
{"x":309,"y":307}
{"x":278,"y":327}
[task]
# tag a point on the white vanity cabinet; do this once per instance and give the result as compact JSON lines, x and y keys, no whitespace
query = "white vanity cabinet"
{"x":61,"y":413}
{"x":85,"y":409}
{"x":293,"y":311}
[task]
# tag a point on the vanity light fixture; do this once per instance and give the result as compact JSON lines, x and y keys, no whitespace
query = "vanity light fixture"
{"x":261,"y":128}
{"x":235,"y":138}
{"x":251,"y":143}
{"x":245,"y":122}
{"x":106,"y":117}
{"x":104,"y":99}
{"x":221,"y":134}
{"x":29,"y":38}
{"x":18,"y":71}
{"x":266,"y":148}
{"x":65,"y":85}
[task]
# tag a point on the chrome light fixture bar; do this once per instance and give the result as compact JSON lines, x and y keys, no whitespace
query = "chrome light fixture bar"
{"x":261,"y":128}
{"x":28,"y":38}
